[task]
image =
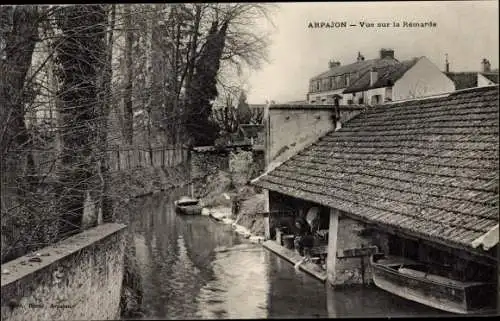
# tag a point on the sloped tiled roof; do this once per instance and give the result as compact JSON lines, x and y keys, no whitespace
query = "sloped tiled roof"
{"x":359,"y":66}
{"x":386,"y":76}
{"x":428,"y":167}
{"x":463,"y":80}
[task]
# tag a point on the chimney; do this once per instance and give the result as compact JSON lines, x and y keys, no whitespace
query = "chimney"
{"x":373,"y":76}
{"x":360,"y":57}
{"x":447,"y":64}
{"x":386,"y":53}
{"x":333,"y":64}
{"x":486,"y":65}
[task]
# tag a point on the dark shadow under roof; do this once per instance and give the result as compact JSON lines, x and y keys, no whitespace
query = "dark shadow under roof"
{"x":463,"y":80}
{"x":492,"y":76}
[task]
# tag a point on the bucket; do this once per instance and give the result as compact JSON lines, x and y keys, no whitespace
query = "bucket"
{"x":288,"y":241}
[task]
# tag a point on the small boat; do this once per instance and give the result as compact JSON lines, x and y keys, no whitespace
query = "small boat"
{"x":411,"y":280}
{"x":188,"y":206}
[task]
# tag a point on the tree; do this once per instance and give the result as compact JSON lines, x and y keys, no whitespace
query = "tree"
{"x":19,"y":34}
{"x":226,"y":116}
{"x":128,"y":113}
{"x":244,"y":112}
{"x":79,"y":55}
{"x":180,"y":36}
{"x":204,"y":88}
{"x":105,"y":99}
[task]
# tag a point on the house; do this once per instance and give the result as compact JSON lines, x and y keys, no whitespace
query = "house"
{"x":370,"y":82}
{"x":414,"y":78}
{"x":472,"y":79}
{"x":417,"y":178}
{"x":252,"y":134}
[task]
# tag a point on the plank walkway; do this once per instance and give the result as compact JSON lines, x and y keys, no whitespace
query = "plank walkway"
{"x":293,"y":257}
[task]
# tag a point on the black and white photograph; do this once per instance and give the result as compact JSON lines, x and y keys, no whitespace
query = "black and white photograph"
{"x":249,"y":160}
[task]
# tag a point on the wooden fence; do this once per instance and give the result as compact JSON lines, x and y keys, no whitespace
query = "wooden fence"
{"x":122,"y":158}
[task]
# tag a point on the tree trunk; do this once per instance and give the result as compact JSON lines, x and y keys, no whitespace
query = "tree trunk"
{"x":19,"y":31}
{"x":106,"y":201}
{"x":20,"y":43}
{"x":149,"y":69}
{"x":127,"y":95}
{"x":80,"y":57}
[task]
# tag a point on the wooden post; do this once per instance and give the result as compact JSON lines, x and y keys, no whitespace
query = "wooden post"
{"x":137,"y":158}
{"x":267,"y":227}
{"x":362,"y":270}
{"x":332,"y":246}
{"x":163,"y":156}
{"x":118,"y":157}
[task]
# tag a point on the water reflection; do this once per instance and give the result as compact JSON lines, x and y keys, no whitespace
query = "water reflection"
{"x":359,"y":302}
{"x":193,"y":267}
{"x":239,"y":290}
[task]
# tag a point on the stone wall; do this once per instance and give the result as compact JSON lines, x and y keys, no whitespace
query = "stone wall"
{"x":348,"y":271}
{"x":206,"y":166}
{"x":290,"y":128}
{"x":211,"y":166}
{"x":259,"y":162}
{"x":79,"y":278}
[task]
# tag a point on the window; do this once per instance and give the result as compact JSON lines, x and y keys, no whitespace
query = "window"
{"x":360,"y":101}
{"x":388,"y":94}
{"x":376,"y":99}
{"x":347,"y":80}
{"x":349,"y":102}
{"x":325,"y":84}
{"x":338,"y":82}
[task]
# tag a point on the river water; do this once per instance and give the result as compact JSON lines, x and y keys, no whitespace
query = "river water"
{"x":194,"y":267}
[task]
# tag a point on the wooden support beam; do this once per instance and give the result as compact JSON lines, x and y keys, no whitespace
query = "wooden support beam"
{"x":357,"y":252}
{"x":267,"y":226}
{"x":332,"y":245}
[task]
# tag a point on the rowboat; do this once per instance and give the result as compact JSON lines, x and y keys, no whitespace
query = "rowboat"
{"x":412,"y":281}
{"x":187,"y":206}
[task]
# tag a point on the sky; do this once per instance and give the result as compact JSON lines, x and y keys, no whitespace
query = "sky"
{"x":466,"y":30}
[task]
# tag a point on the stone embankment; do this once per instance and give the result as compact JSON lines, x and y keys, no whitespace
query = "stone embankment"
{"x":246,"y":221}
{"x":223,"y":214}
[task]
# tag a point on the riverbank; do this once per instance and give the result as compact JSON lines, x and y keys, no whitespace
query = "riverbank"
{"x":223,"y":215}
{"x":141,"y":182}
